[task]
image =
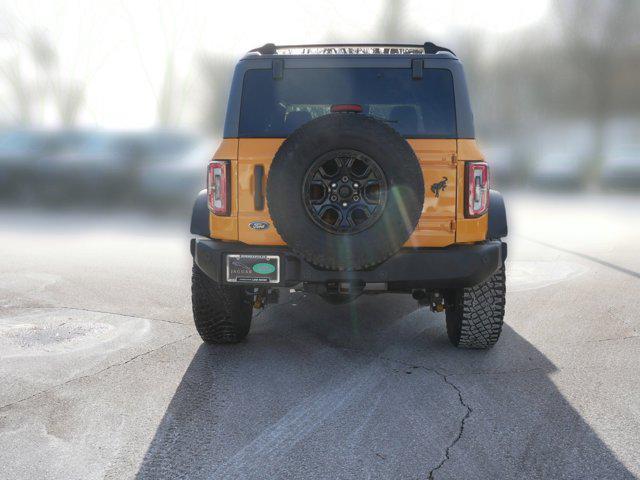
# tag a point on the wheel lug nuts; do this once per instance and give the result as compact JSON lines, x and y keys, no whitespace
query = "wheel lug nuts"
{"x":356,"y":198}
{"x":334,"y":198}
{"x":345,"y":179}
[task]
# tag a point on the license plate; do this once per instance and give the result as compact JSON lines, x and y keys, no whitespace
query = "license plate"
{"x":253,"y":268}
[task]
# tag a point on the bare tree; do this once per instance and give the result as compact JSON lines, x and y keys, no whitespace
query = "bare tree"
{"x":597,"y":34}
{"x":216,"y":76}
{"x":67,"y":95}
{"x":174,"y":90}
{"x":166,"y":95}
{"x":47,"y":82}
{"x":69,"y":99}
{"x":392,"y":20}
{"x":19,"y":89}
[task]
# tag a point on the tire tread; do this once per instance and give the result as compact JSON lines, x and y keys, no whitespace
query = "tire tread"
{"x":222,"y":313}
{"x":475,"y":318}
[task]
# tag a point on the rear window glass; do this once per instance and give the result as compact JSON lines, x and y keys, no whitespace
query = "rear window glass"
{"x":422,"y":108}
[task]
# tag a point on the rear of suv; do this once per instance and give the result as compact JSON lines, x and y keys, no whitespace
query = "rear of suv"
{"x":348,"y":170}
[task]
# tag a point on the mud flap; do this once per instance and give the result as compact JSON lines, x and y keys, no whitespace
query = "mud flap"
{"x":200,"y":215}
{"x":497,"y":216}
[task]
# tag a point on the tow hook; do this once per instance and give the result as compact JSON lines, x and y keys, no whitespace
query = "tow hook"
{"x":437,"y":307}
{"x":434,"y":300}
{"x":262,"y":297}
{"x":437,"y":302}
{"x":258,"y":301}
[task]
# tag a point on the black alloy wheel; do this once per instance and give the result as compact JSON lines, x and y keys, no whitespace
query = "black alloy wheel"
{"x":344,"y":192}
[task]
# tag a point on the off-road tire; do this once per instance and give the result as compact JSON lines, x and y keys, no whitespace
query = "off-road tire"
{"x":395,"y":158}
{"x":475,"y":314}
{"x":222,"y":313}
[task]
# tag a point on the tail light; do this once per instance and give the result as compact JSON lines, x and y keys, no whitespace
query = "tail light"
{"x":477,"y":195}
{"x":219,"y":187}
{"x":346,"y":107}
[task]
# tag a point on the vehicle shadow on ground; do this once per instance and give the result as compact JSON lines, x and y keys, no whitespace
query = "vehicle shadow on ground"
{"x":371,"y":389}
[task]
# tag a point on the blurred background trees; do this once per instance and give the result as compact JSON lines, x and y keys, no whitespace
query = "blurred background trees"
{"x":34,"y":79}
{"x":554,"y":99}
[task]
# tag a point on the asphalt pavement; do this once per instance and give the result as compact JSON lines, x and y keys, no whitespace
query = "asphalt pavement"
{"x":102,"y":374}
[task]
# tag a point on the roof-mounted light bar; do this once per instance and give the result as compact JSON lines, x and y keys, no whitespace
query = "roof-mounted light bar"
{"x":350,"y":49}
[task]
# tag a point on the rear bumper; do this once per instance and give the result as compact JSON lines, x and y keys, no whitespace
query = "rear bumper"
{"x":448,"y":267}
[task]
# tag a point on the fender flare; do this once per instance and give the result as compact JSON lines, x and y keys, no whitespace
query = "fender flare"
{"x":497,"y":216}
{"x":200,"y":215}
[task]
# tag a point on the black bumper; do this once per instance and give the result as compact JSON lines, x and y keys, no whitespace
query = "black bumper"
{"x":449,"y":267}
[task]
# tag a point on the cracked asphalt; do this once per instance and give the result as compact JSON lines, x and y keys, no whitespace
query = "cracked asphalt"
{"x":102,"y":374}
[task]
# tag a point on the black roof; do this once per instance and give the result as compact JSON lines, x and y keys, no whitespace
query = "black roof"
{"x":427,"y":48}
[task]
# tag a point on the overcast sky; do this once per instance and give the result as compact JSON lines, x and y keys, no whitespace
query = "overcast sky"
{"x":120,"y":48}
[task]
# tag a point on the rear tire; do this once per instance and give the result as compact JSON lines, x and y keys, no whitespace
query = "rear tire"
{"x":222,"y":313}
{"x":475,"y":314}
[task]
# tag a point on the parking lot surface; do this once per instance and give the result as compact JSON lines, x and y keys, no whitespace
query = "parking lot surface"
{"x":102,"y":374}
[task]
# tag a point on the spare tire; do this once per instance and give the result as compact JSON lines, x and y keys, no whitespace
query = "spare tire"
{"x":345,"y":191}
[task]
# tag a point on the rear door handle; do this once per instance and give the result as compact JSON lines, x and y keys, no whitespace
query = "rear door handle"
{"x":258,"y":195}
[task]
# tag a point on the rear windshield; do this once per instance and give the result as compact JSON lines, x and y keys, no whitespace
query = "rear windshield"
{"x":423,"y":108}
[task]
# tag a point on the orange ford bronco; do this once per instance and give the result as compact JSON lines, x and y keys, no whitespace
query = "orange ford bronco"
{"x":348,"y":170}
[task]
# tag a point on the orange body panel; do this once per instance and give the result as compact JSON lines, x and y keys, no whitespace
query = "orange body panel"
{"x":252,"y":152}
{"x":442,"y":222}
{"x":435,"y":227}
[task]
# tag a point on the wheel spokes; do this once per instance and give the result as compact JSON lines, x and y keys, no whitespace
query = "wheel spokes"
{"x":331,"y":216}
{"x":317,"y":192}
{"x":330,"y":168}
{"x":345,"y":192}
{"x":372,"y":192}
{"x":359,"y":216}
{"x":359,"y":169}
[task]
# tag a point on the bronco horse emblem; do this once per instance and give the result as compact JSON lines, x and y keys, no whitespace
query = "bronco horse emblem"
{"x":441,"y":185}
